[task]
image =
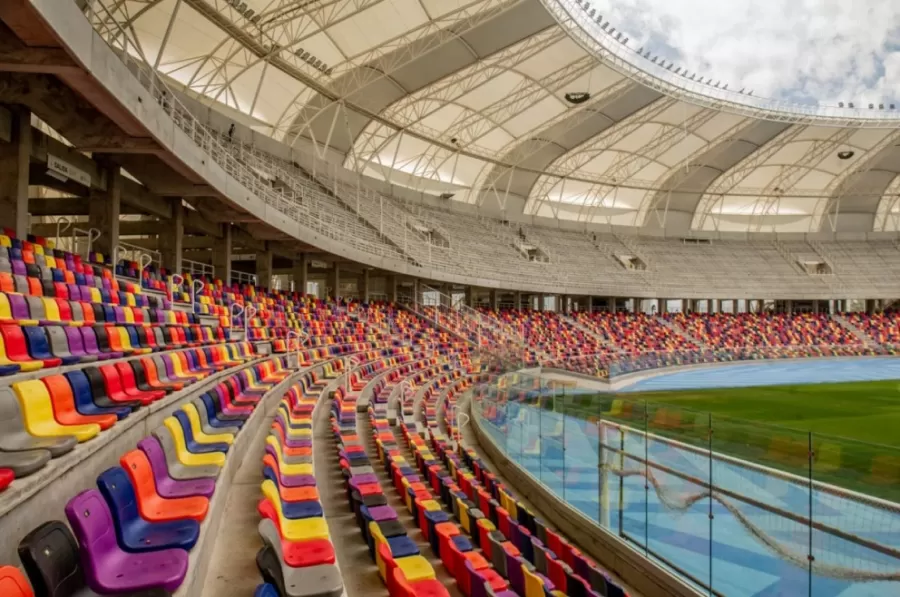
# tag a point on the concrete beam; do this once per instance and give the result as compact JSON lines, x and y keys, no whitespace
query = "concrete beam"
{"x":171,"y":240}
{"x":221,"y":256}
{"x":188,"y":242}
{"x":185,"y":190}
{"x":241,"y":238}
{"x":195,"y":221}
{"x":137,"y":195}
{"x":73,"y":206}
{"x":69,"y":113}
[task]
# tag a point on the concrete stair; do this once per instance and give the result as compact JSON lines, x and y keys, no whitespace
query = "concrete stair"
{"x":680,"y":331}
{"x":863,"y":337}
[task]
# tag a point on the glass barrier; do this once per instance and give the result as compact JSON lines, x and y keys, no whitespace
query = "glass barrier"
{"x":736,"y":508}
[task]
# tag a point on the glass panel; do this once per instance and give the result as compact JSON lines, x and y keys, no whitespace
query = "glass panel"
{"x":761,"y":514}
{"x":856,"y":539}
{"x":581,"y":460}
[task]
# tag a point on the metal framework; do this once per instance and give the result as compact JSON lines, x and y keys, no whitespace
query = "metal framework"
{"x":474,"y":153}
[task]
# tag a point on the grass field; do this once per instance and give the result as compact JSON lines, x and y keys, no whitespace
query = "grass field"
{"x":852,"y":430}
{"x":864,"y":411}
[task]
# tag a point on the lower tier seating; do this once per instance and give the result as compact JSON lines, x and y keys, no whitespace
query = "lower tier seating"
{"x":131,"y":534}
{"x":42,"y":419}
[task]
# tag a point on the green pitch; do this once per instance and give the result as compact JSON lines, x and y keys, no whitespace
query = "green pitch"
{"x":864,"y":411}
{"x":847,"y":434}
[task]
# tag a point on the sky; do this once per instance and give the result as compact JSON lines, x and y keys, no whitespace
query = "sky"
{"x":809,"y":51}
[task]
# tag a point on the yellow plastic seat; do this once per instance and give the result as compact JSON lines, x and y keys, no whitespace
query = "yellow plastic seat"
{"x":534,"y":586}
{"x":285,"y":467}
{"x":37,"y":411}
{"x":185,"y":456}
{"x":197,"y":428}
{"x":415,"y":568}
{"x":299,"y":529}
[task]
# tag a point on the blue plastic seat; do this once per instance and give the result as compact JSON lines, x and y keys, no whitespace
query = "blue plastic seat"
{"x":134,"y":534}
{"x":266,"y":590}
{"x":213,"y":414}
{"x":192,"y":444}
{"x":402,"y":546}
{"x":84,"y":397}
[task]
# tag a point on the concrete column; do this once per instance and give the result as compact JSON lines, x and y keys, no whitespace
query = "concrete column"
{"x":468,"y":297}
{"x":103,"y":214}
{"x":517,"y":299}
{"x":264,"y":268}
{"x":636,"y":305}
{"x":300,"y":274}
{"x":363,"y":285}
{"x":495,"y":299}
{"x":662,"y":305}
{"x":390,"y":288}
{"x":334,"y":281}
{"x":221,"y":257}
{"x":14,"y":162}
{"x":171,"y":240}
{"x":816,"y":306}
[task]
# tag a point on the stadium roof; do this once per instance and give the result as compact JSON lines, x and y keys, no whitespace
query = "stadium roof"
{"x":469,"y":98}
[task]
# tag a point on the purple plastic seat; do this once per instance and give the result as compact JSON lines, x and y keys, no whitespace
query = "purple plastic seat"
{"x":381,"y":513}
{"x":108,"y":569}
{"x":18,"y":306}
{"x":76,"y":344}
{"x":166,"y":486}
{"x":364,"y":479}
{"x":90,"y":344}
{"x":18,"y":267}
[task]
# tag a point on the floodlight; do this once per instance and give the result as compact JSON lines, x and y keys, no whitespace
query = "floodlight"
{"x":850,"y":105}
{"x":871,"y":106}
{"x":881,"y":106}
{"x":892,"y":106}
{"x":249,"y":14}
{"x":840,"y":104}
{"x":605,"y":25}
{"x":846,"y":154}
{"x":592,"y":13}
{"x":625,"y":41}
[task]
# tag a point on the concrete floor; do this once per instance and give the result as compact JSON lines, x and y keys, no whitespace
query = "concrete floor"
{"x":232,"y":571}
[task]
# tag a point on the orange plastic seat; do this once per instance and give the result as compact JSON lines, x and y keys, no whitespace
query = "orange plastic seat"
{"x":13,"y":583}
{"x":64,"y":405}
{"x":151,"y":505}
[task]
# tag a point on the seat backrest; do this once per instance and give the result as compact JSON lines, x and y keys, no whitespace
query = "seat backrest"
{"x":116,"y":487}
{"x":13,"y":583}
{"x":59,"y":344}
{"x":268,"y":532}
{"x":92,"y":525}
{"x":50,"y":557}
{"x":140,"y":473}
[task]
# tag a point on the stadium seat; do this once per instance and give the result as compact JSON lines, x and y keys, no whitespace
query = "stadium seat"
{"x":152,"y":506}
{"x":135,"y":531}
{"x":209,"y":422}
{"x":64,"y":407}
{"x":15,"y":438}
{"x":13,"y":583}
{"x":166,"y":485}
{"x":201,"y":465}
{"x":37,"y":408}
{"x":109,"y":569}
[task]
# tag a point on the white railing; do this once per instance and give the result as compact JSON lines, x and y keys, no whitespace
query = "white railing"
{"x":197,"y":268}
{"x":235,"y":310}
{"x":243,"y":277}
{"x":175,"y":282}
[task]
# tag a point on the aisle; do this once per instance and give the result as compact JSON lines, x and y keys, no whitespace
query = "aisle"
{"x":232,"y":569}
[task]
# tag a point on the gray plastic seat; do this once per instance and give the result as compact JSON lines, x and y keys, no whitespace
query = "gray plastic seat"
{"x":23,"y":464}
{"x":21,"y":283}
{"x":498,"y":554}
{"x":15,"y":438}
{"x":59,"y":342}
{"x":204,"y":421}
{"x":36,"y":308}
{"x":176,"y":469}
{"x":160,"y":363}
{"x":5,"y":266}
{"x":361,"y":470}
{"x":313,"y":581}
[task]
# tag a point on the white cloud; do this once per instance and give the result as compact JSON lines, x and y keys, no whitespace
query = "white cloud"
{"x":808,"y":50}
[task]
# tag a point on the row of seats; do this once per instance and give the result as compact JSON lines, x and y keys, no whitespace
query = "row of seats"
{"x":132,"y":534}
{"x":45,"y":418}
{"x":59,"y":286}
{"x":401,"y":567}
{"x":536,"y":560}
{"x":28,"y":348}
{"x":297,"y":558}
{"x":33,"y":310}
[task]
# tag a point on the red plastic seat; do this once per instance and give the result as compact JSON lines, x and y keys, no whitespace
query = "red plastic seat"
{"x":129,"y":384}
{"x":17,"y":349}
{"x":115,"y":389}
{"x":152,"y":506}
{"x":13,"y":583}
{"x":6,"y":477}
